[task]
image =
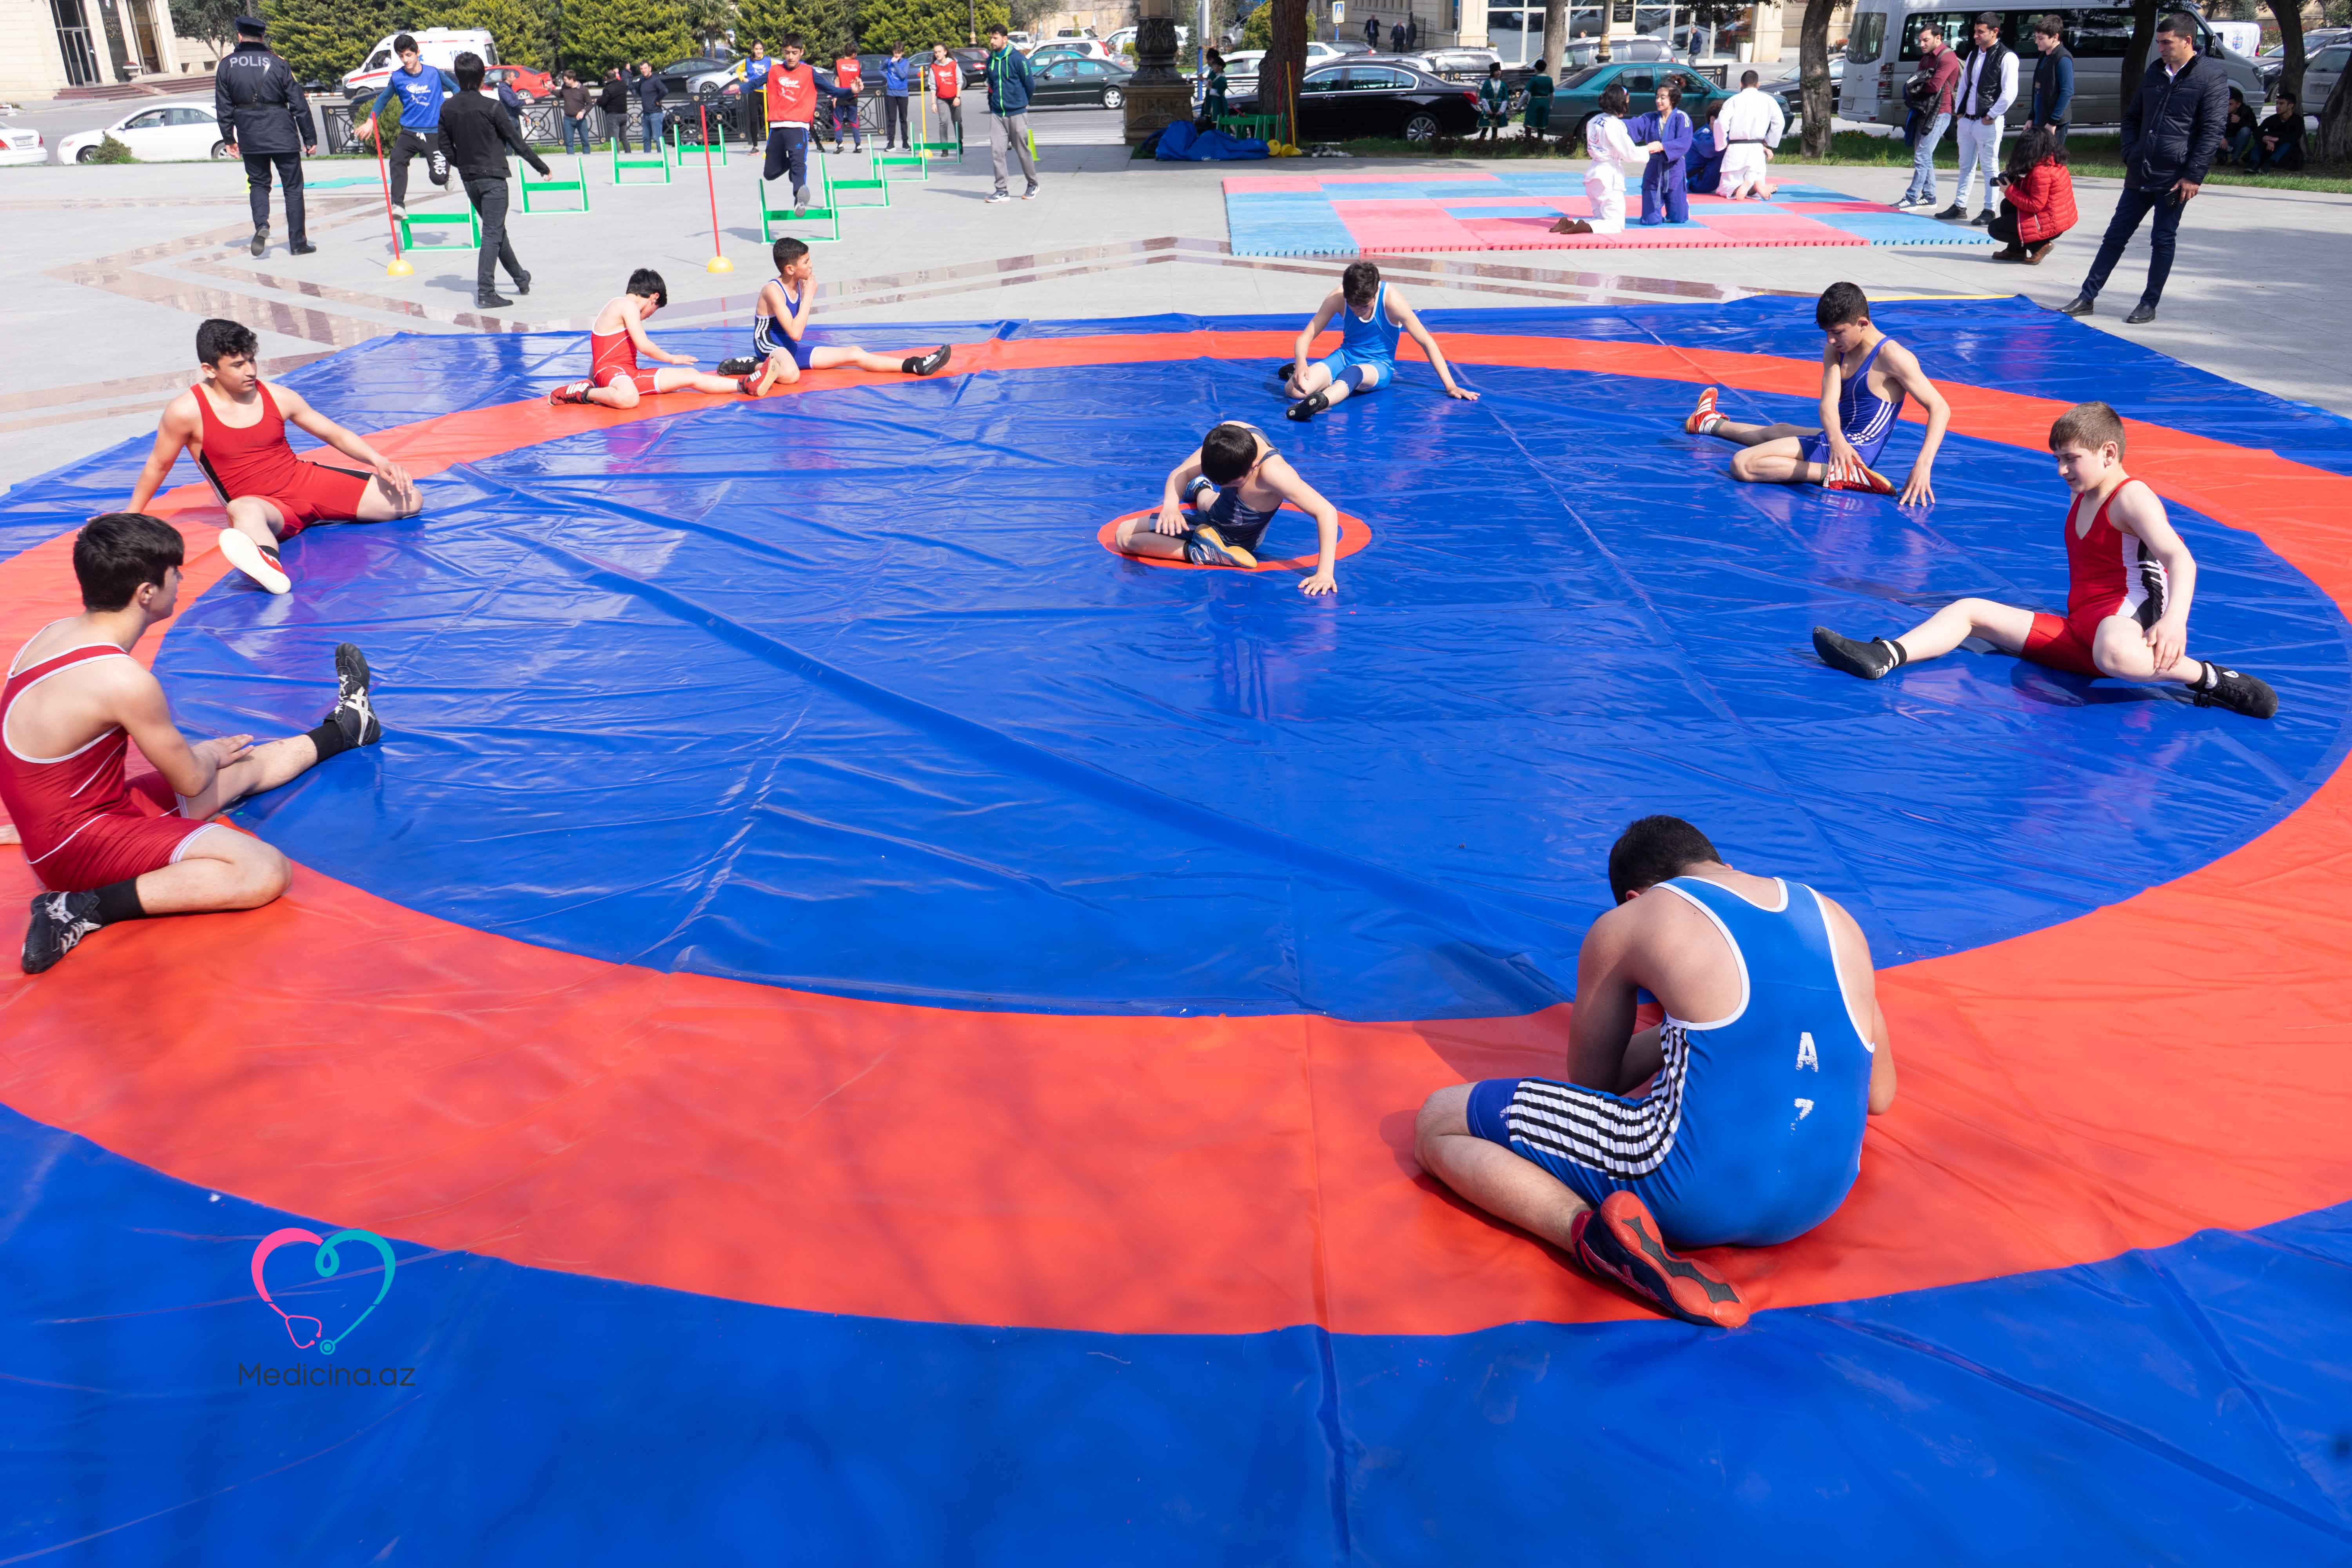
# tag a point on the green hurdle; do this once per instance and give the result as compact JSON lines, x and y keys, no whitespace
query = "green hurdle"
{"x":913,"y":158}
{"x":877,"y":182}
{"x":579,"y":182}
{"x":677,"y":143}
{"x":466,"y":215}
{"x":825,"y":212}
{"x":638,"y":161}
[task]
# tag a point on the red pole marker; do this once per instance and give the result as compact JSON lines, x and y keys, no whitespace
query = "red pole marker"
{"x":401,"y":267}
{"x":718,"y":262}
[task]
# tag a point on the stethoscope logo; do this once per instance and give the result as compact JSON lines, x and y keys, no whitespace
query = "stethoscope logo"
{"x":326,"y":1262}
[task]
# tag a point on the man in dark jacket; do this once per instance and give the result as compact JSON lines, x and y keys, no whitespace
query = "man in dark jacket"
{"x":649,"y":89}
{"x":2053,"y":79}
{"x":2171,"y":131}
{"x":267,"y":119}
{"x":612,"y":103}
{"x":1008,"y":113}
{"x":477,"y":131}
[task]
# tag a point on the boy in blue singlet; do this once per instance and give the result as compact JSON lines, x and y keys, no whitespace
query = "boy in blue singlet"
{"x":1865,"y":375}
{"x":780,"y":326}
{"x":1372,"y":315}
{"x":1251,"y":481}
{"x":1744,"y":1129}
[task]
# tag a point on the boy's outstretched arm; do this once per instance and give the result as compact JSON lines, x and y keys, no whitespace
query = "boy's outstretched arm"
{"x":299,"y":414}
{"x":1171,"y":495}
{"x":1313,"y":328}
{"x":648,"y":347}
{"x":1308,"y":500}
{"x":1906,"y":375}
{"x":1419,"y":334}
{"x":173,"y":433}
{"x":2137,"y":510}
{"x":1842,"y":451}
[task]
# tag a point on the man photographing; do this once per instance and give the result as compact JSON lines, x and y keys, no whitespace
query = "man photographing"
{"x":267,"y":120}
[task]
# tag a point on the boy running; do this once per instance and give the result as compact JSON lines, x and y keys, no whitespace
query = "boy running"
{"x":780,"y":320}
{"x":617,"y":338}
{"x":110,"y":849}
{"x":1252,"y":481}
{"x":1372,"y":316}
{"x":236,"y":428}
{"x":1865,"y":375}
{"x":2130,"y":582}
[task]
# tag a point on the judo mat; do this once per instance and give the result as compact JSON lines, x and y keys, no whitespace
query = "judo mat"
{"x":1514,"y":209}
{"x":876,"y":1030}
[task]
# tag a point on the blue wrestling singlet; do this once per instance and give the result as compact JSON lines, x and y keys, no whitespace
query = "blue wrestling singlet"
{"x":1867,"y":418}
{"x":1234,"y":523}
{"x":1366,"y":345}
{"x":768,"y":337}
{"x":1752,"y":1134}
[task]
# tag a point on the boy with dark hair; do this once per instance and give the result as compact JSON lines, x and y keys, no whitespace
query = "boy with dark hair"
{"x":617,"y":338}
{"x":1252,"y":481}
{"x":479,"y":135}
{"x":107,"y":846}
{"x":1864,"y":376}
{"x":780,"y":320}
{"x":1746,"y":1130}
{"x":1372,"y":316}
{"x":2130,"y":582}
{"x":792,"y":93}
{"x":236,"y":428}
{"x":422,"y":89}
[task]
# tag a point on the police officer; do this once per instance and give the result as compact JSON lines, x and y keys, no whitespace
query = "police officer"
{"x":268,"y":121}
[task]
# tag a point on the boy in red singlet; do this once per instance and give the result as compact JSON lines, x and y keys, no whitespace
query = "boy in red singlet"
{"x":2130,"y":579}
{"x":235,"y":427}
{"x":619,"y":336}
{"x":112,"y":848}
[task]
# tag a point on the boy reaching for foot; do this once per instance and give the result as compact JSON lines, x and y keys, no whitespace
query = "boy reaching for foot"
{"x":2130,"y":582}
{"x":1864,"y":376}
{"x":1371,"y":317}
{"x":780,"y":321}
{"x":619,"y":335}
{"x":1252,"y":481}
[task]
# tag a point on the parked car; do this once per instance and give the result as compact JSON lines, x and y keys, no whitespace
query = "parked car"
{"x":156,"y":133}
{"x":2270,"y":64}
{"x":1068,"y":80}
{"x":2320,"y":72}
{"x":438,"y":46}
{"x":21,"y":144}
{"x":531,"y":86}
{"x":1069,"y":49}
{"x":1343,"y":102}
{"x":686,"y":77}
{"x":1577,"y":96}
{"x":973,"y":59}
{"x":1790,"y":90}
{"x":1584,"y":52}
{"x":1459,"y":64}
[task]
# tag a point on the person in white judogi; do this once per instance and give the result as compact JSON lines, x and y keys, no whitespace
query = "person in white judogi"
{"x":1987,"y":86}
{"x":1615,"y":153}
{"x":1751,"y":122}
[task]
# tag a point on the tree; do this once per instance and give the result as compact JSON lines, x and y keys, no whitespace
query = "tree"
{"x":1257,"y":29}
{"x":211,"y":22}
{"x":600,"y":34}
{"x":1813,"y":72}
{"x":828,"y":28}
{"x":2289,"y":14}
{"x":524,"y":30}
{"x":321,"y":39}
{"x":919,"y":24}
{"x":1285,"y":62}
{"x":2334,"y":142}
{"x":1555,"y":42}
{"x":2135,"y":53}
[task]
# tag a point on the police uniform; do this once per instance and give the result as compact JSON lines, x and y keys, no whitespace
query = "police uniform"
{"x":264,"y":113}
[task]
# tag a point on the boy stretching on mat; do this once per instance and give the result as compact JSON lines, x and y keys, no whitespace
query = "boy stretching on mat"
{"x":616,"y":340}
{"x":779,"y":345}
{"x":1865,"y":375}
{"x":1742,"y":1130}
{"x":236,"y":428}
{"x":2129,"y":580}
{"x":115,"y":849}
{"x":1252,"y":481}
{"x":1372,"y":316}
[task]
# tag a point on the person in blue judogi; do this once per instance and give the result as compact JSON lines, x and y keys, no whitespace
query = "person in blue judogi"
{"x":1664,"y":197}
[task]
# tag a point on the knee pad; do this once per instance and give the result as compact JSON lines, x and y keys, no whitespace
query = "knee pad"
{"x":1354,"y":377}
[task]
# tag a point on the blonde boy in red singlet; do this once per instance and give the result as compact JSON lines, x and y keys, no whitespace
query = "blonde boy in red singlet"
{"x":2130,"y":579}
{"x":235,"y":427}
{"x":614,"y":379}
{"x":107,"y":846}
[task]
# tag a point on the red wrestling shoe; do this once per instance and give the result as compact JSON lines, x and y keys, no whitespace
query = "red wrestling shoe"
{"x":1857,"y":475}
{"x":1702,"y":418}
{"x":1621,"y":1242}
{"x":577,"y":392}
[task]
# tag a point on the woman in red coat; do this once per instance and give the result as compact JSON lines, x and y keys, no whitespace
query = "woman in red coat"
{"x":2040,"y":198}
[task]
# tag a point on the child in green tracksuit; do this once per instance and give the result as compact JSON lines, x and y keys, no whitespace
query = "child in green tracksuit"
{"x":1492,"y":97}
{"x":1539,"y":116}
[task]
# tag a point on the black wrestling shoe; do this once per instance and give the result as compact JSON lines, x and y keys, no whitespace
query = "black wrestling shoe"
{"x":1307,"y":407}
{"x":2079,"y":305}
{"x":522,"y":284}
{"x":59,"y":922}
{"x":741,"y":365}
{"x":930,"y":364}
{"x":2238,"y":692}
{"x":353,"y":712}
{"x":2142,"y":315}
{"x":260,"y":243}
{"x":301,"y":247}
{"x":1869,"y":660}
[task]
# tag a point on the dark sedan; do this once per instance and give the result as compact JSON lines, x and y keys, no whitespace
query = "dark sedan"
{"x":1075,"y":81}
{"x":1343,"y":101}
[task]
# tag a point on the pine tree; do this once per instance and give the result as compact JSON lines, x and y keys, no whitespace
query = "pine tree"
{"x":596,"y":35}
{"x":523,"y":29}
{"x":828,"y":28}
{"x":321,"y":39}
{"x":919,"y":24}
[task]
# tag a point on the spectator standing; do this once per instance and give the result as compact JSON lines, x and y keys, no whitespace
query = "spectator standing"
{"x":1930,"y":91}
{"x":1213,"y":89}
{"x":478,"y":133}
{"x":2277,"y":143}
{"x":649,"y":105}
{"x":1412,"y":31}
{"x":897,"y":77}
{"x":1396,"y":38}
{"x":2171,"y":131}
{"x":612,"y":103}
{"x":1008,"y":113}
{"x":947,"y":90}
{"x":848,"y":83}
{"x":1988,"y":87}
{"x":576,"y":101}
{"x":755,"y":89}
{"x":1372,"y":31}
{"x":2040,"y":198}
{"x":1494,"y":101}
{"x":2053,"y":79}
{"x":268,"y":122}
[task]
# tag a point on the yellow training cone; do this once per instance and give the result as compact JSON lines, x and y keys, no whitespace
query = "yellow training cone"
{"x":720,"y":264}
{"x":400,"y":267}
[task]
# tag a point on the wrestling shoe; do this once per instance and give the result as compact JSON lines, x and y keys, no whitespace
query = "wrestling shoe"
{"x":1857,"y":475}
{"x":1870,"y":660}
{"x":1308,"y":406}
{"x":1704,"y":417}
{"x":2238,"y":692}
{"x":353,"y":712}
{"x":59,"y":922}
{"x":930,"y":364}
{"x":1205,"y":546}
{"x":259,"y":562}
{"x":741,"y":365}
{"x":574,"y":392}
{"x":1619,"y":1241}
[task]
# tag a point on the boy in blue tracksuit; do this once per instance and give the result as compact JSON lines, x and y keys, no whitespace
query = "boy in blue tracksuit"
{"x":898,"y":78}
{"x":422,"y":89}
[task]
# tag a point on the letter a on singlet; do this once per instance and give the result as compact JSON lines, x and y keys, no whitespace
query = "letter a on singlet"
{"x":1806,"y":1056}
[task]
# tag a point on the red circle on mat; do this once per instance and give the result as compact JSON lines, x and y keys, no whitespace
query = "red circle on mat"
{"x":1354,"y":534}
{"x":2066,"y":1095}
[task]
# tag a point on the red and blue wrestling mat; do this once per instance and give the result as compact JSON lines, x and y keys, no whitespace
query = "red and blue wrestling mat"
{"x":875,"y":1031}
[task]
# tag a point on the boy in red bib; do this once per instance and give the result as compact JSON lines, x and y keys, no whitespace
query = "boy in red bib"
{"x":792,"y":92}
{"x":235,"y":427}
{"x":2130,"y":579}
{"x":614,"y":378}
{"x":947,"y":91}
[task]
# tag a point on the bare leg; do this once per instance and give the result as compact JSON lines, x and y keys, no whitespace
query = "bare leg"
{"x":1489,"y":1176}
{"x":381,"y":504}
{"x":2004,"y":625}
{"x":881,"y":364}
{"x":256,"y":519}
{"x":1775,"y":459}
{"x":2120,"y":648}
{"x":220,"y":870}
{"x":1740,"y":434}
{"x":621,"y":394}
{"x":263,"y":768}
{"x":678,"y":377}
{"x":1136,"y":536}
{"x":1318,"y":376}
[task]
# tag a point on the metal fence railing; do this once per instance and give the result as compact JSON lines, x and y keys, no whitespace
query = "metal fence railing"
{"x":542,"y":124}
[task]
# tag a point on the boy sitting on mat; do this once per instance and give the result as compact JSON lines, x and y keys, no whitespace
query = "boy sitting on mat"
{"x":1252,"y":481}
{"x":1372,"y":316}
{"x":2129,"y":580}
{"x":1742,"y":1130}
{"x":617,"y":338}
{"x":779,"y":345}
{"x":1865,"y":375}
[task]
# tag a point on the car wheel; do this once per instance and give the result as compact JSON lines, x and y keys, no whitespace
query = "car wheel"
{"x":1113,"y":97}
{"x":1420,"y":129}
{"x":86,"y":156}
{"x":220,"y":150}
